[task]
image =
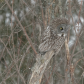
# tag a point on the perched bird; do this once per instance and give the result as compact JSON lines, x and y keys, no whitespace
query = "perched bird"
{"x":54,"y":35}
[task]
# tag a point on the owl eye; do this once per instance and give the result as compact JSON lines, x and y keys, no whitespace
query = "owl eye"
{"x":61,"y":28}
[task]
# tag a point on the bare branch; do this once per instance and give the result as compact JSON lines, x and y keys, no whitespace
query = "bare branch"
{"x":39,"y":67}
{"x":29,"y":40}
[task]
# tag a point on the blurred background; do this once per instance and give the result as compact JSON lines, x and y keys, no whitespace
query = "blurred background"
{"x":21,"y":25}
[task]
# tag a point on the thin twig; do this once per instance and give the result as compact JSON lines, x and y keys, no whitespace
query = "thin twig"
{"x":29,"y":40}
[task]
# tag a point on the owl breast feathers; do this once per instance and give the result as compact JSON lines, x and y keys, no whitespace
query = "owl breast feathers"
{"x":54,"y":36}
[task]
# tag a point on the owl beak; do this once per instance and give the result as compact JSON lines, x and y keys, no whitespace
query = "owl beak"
{"x":62,"y":35}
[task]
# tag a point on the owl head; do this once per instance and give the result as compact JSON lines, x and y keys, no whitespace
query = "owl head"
{"x":60,"y":27}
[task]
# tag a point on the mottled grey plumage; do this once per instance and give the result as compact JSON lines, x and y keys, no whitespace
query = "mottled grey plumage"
{"x":54,"y":36}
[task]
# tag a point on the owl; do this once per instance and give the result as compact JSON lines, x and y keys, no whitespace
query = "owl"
{"x":54,"y":35}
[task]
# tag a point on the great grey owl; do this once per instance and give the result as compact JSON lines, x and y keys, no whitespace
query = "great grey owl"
{"x":54,"y":36}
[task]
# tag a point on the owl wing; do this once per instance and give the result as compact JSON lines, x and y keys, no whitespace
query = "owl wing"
{"x":50,"y":44}
{"x":46,"y":34}
{"x":45,"y":45}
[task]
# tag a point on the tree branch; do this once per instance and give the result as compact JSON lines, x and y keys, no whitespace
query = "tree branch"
{"x":39,"y":67}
